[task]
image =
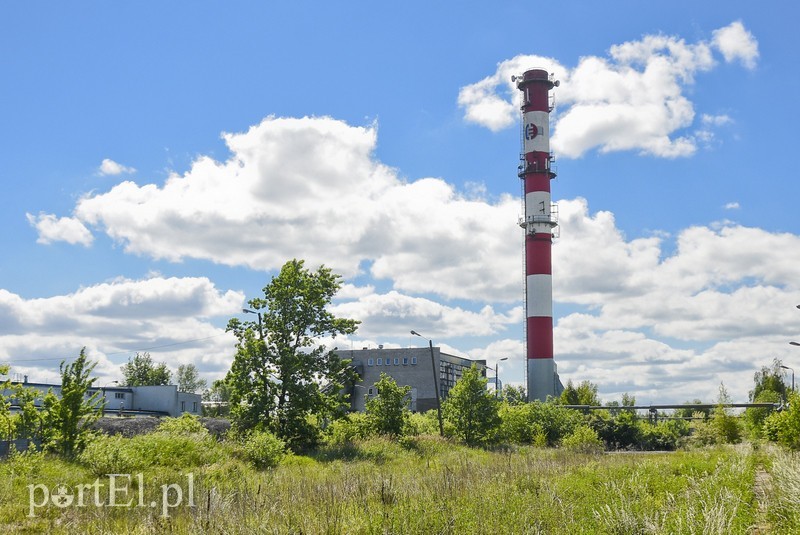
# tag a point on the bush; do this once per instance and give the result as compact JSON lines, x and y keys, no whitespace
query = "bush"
{"x":109,"y":455}
{"x":264,"y":449}
{"x":537,"y":423}
{"x":354,"y":426}
{"x":185,"y":424}
{"x":583,"y":439}
{"x":423,"y":423}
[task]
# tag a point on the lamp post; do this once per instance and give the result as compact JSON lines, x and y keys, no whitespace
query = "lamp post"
{"x":248,"y":311}
{"x":792,"y":369}
{"x":435,"y":383}
{"x":497,"y":376}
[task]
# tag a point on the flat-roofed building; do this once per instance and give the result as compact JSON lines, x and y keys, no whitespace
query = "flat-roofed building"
{"x":408,"y":367}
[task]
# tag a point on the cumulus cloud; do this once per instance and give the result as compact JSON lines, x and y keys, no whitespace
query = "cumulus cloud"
{"x":52,"y":229}
{"x":310,"y":188}
{"x":736,"y":43}
{"x":171,"y":317}
{"x":632,"y":100}
{"x":110,"y":167}
{"x":732,"y":206}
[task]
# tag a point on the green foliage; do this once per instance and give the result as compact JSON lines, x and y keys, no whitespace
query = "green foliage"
{"x":188,"y":379}
{"x":770,"y":378}
{"x":424,"y":423}
{"x":471,"y":409}
{"x":281,"y":379}
{"x":726,"y":425}
{"x":354,"y":426}
{"x":264,"y":449}
{"x":110,"y":455}
{"x":514,"y":395}
{"x":185,"y":424}
{"x":220,"y":394}
{"x":537,"y":423}
{"x":140,"y":370}
{"x":29,"y":422}
{"x":584,"y":394}
{"x":754,"y":417}
{"x":784,"y":427}
{"x":70,"y":417}
{"x":583,"y":439}
{"x":388,"y":413}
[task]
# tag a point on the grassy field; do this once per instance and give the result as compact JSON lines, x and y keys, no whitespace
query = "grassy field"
{"x":424,"y":486}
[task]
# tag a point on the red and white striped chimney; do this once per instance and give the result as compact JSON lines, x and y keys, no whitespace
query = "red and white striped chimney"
{"x":539,"y":222}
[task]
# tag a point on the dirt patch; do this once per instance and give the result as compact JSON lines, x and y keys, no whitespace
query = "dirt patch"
{"x":762,"y":488}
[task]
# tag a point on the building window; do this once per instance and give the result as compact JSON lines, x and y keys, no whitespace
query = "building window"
{"x":119,"y":395}
{"x":380,"y":361}
{"x":194,"y":406}
{"x":370,"y":391}
{"x":388,"y":361}
{"x":370,"y":362}
{"x":405,"y":361}
{"x":396,"y":361}
{"x":183,"y":406}
{"x":413,"y":361}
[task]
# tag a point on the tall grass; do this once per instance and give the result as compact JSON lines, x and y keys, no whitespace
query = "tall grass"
{"x":424,"y":485}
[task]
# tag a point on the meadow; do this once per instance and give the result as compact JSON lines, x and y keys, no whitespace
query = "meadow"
{"x":416,"y":485}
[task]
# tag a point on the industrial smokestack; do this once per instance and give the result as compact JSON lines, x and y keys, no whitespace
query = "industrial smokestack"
{"x":540,"y":224}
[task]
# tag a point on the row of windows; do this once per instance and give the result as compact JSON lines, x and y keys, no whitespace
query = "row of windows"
{"x":388,"y":361}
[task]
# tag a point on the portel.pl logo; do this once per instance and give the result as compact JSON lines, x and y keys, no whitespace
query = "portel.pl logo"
{"x":117,"y":492}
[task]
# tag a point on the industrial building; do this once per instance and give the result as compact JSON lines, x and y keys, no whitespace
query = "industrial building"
{"x":162,"y":400}
{"x":408,"y":367}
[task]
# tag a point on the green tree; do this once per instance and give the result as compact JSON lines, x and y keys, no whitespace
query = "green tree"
{"x":514,"y":395}
{"x":140,"y":370}
{"x":281,"y":377}
{"x":6,"y":422}
{"x":769,"y":378}
{"x":71,"y":416}
{"x":188,"y":379}
{"x":219,"y":394}
{"x":387,"y":413}
{"x":725,"y":424}
{"x":471,"y":408}
{"x":584,"y":394}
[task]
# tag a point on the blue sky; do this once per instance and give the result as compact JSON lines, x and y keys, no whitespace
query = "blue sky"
{"x":161,"y":162}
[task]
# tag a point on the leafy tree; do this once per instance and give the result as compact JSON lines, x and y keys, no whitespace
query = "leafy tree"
{"x":471,"y":408}
{"x":188,"y":379}
{"x":514,"y":395}
{"x":29,"y":421}
{"x":387,"y":413}
{"x":281,"y":378}
{"x":692,"y":412}
{"x":140,"y":370}
{"x":72,"y":415}
{"x":6,"y":422}
{"x":584,"y":394}
{"x":755,"y":416}
{"x":725,"y":424}
{"x":220,"y":394}
{"x":770,"y":378}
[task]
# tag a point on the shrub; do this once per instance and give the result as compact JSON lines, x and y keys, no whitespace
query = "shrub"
{"x":109,"y":455}
{"x":583,"y":439}
{"x":185,"y":424}
{"x":264,"y":449}
{"x":354,"y":426}
{"x":423,"y":423}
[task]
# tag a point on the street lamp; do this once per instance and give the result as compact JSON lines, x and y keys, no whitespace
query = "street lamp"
{"x":497,"y":376}
{"x":788,"y":368}
{"x":435,"y":383}
{"x":248,"y":311}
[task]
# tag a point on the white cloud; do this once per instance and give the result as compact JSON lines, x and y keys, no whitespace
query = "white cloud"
{"x":110,"y":167}
{"x":169,"y":316}
{"x":310,"y":188}
{"x":736,"y":43}
{"x":732,"y":206}
{"x":633,"y":100}
{"x":52,"y":229}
